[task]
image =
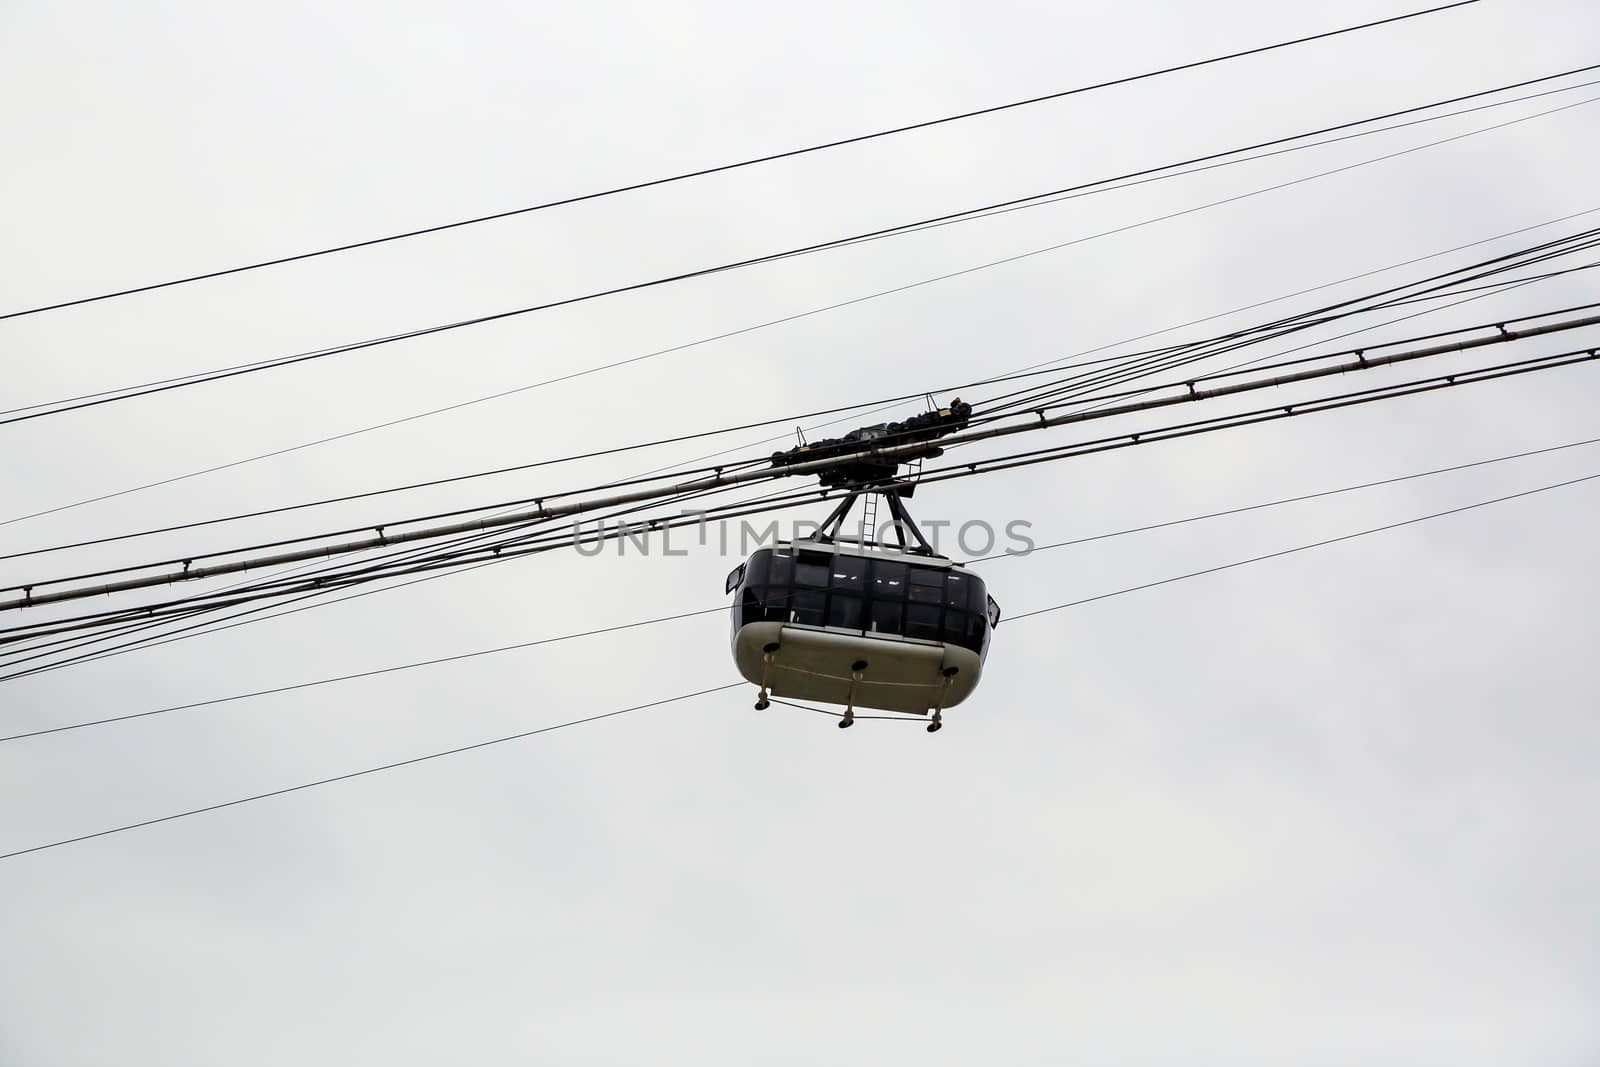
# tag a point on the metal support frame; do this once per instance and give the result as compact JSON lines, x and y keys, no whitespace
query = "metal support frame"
{"x":904,"y":525}
{"x":829,"y":530}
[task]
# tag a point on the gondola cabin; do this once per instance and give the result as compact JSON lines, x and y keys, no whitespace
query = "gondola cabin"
{"x":862,"y":626}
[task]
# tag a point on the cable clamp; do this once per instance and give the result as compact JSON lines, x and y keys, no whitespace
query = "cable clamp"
{"x":1502,"y":328}
{"x":1042,"y":419}
{"x":187,"y":564}
{"x":382,"y":538}
{"x":27,"y":596}
{"x":1361,"y":357}
{"x":1192,"y":393}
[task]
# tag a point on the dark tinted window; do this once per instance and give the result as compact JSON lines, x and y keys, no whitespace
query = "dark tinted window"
{"x":885,"y":617}
{"x":780,"y":566}
{"x":922,"y":620}
{"x":805,"y":607}
{"x":844,"y":610}
{"x":755,"y":572}
{"x":955,"y":624}
{"x":976,"y":597}
{"x":957,"y":590}
{"x":751,"y":605}
{"x":860,"y":593}
{"x":927,"y":585}
{"x":888,"y":580}
{"x":811,"y":575}
{"x":779,"y":600}
{"x":849,"y":574}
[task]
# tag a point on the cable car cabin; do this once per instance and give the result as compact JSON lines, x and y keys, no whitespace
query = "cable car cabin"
{"x":868,"y":627}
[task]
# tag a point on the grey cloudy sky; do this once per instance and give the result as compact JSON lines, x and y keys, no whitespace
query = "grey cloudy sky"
{"x":1339,"y":806}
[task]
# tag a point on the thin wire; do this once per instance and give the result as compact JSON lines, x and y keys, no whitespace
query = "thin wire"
{"x":1058,"y":362}
{"x":927,"y":281}
{"x":1139,"y":178}
{"x":1032,"y":401}
{"x":1029,"y":398}
{"x":1280,"y":501}
{"x":1316,"y":288}
{"x":1095,"y":399}
{"x":370,"y":770}
{"x":779,"y":420}
{"x":79,"y":403}
{"x":724,"y":167}
{"x":1302,"y":548}
{"x":365,"y":674}
{"x":1088,"y":384}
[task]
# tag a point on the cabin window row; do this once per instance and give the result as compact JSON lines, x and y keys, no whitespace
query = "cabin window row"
{"x":858,"y":593}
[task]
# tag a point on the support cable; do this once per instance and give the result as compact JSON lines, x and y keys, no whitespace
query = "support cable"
{"x":1171,"y":432}
{"x":740,"y":684}
{"x":1126,"y":531}
{"x":575,"y":508}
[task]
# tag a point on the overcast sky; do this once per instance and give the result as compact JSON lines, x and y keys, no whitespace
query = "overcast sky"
{"x":1337,"y":807}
